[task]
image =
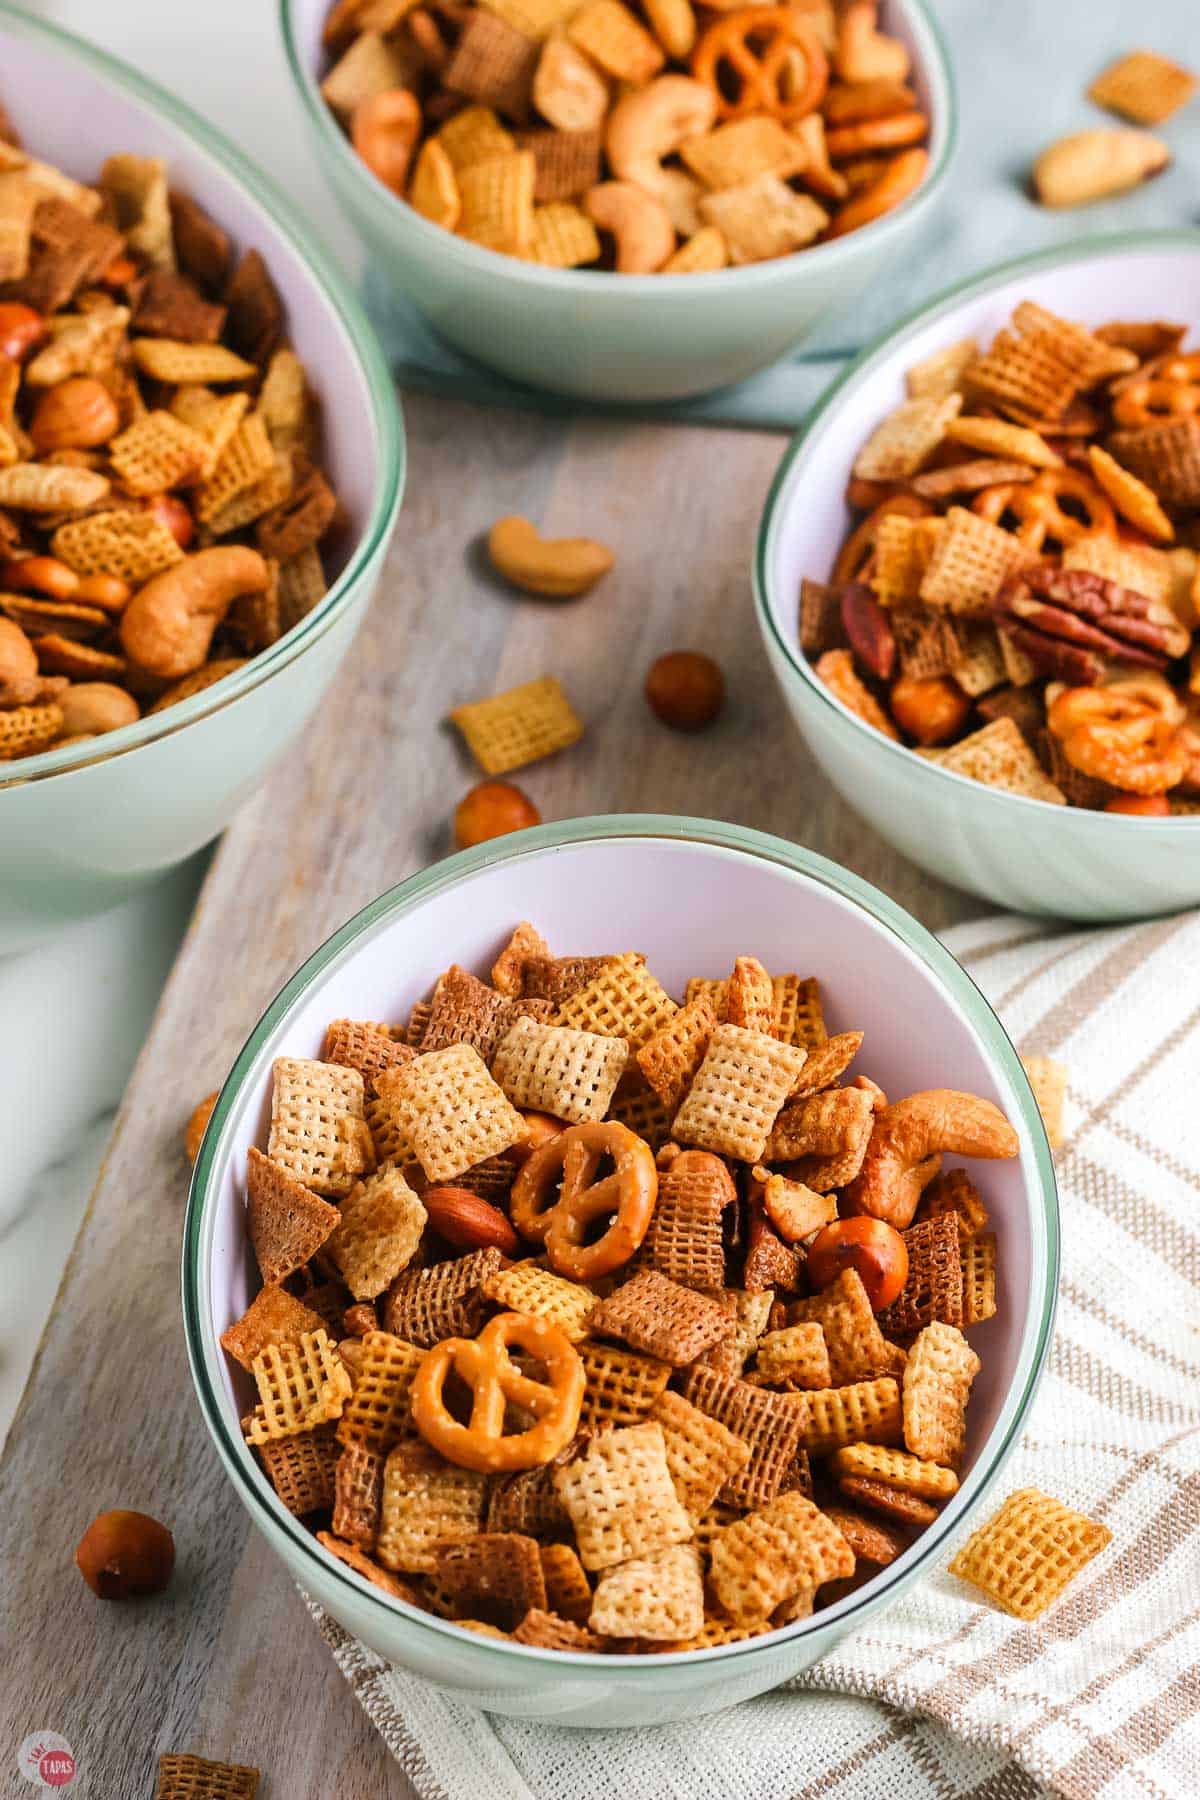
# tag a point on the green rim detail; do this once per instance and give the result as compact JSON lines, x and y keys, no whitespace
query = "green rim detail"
{"x":735,"y":841}
{"x":355,"y":327}
{"x":858,"y":373}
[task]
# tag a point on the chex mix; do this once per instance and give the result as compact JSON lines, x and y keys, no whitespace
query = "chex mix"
{"x":652,"y":138}
{"x":162,"y":508}
{"x":1018,"y":597}
{"x":609,"y":1319}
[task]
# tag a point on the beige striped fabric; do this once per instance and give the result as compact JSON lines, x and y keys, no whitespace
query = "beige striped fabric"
{"x":941,"y":1698}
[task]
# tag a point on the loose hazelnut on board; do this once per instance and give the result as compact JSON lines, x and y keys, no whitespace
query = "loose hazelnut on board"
{"x":197,"y":1125}
{"x":685,"y":689}
{"x":931,"y":709}
{"x":492,"y":809}
{"x":126,"y":1555}
{"x":871,"y":1246}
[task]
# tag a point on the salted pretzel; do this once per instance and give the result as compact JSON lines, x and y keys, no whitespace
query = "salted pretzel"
{"x":1127,"y":734}
{"x":556,"y":1199}
{"x":1037,"y":506}
{"x":495,"y":1381}
{"x":1170,"y":391}
{"x":753,"y":51}
{"x":858,"y":549}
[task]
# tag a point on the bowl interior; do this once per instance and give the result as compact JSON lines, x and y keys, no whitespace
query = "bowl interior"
{"x":75,"y":115}
{"x":691,"y":906}
{"x":807,"y":517}
{"x":908,"y":20}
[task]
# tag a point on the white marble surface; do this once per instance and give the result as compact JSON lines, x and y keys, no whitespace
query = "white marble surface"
{"x":75,"y":1011}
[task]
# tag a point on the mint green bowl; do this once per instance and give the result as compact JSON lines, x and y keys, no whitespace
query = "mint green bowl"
{"x":590,"y":885}
{"x":607,"y":337}
{"x":83,"y":827}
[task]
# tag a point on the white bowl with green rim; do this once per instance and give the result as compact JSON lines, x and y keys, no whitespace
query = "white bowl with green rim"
{"x":633,"y":339}
{"x":1013,"y":851}
{"x":83,"y":827}
{"x":592,"y":886}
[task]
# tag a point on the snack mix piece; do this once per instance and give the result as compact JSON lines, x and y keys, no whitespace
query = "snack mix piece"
{"x":1017,"y":600}
{"x":162,"y":511}
{"x":576,"y":133}
{"x":586,"y":1398}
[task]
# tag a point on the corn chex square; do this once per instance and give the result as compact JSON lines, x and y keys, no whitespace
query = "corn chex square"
{"x":1144,"y":87}
{"x":620,"y":1498}
{"x":999,"y":756}
{"x":378,"y":1414}
{"x":610,"y":34}
{"x":569,"y":1074}
{"x":526,"y":1287}
{"x":622,"y":999}
{"x":741,"y":1085}
{"x":937,"y":1385}
{"x":865,"y":1411}
{"x":568,"y":1590}
{"x":273,"y":1317}
{"x":497,"y":209}
{"x":377,"y":1236}
{"x":299,"y":1385}
{"x":319,"y":1131}
{"x":796,"y":1354}
{"x":905,"y":438}
{"x":1048,"y":1079}
{"x":621,"y":1387}
{"x":658,"y":1598}
{"x":671,"y":1057}
{"x":131,"y":545}
{"x":857,"y":1348}
{"x":156,"y":453}
{"x":895,"y":1469}
{"x":563,"y":236}
{"x":1029,"y":1551}
{"x":702,"y":1453}
{"x":426,"y":1502}
{"x":763,"y":218}
{"x":519,"y":726}
{"x":786,"y":1548}
{"x":449,"y":1109}
{"x":970,"y":560}
{"x":979,"y":1278}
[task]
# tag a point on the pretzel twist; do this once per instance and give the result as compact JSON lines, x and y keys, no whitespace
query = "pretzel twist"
{"x":486,"y":1367}
{"x":556,"y":1198}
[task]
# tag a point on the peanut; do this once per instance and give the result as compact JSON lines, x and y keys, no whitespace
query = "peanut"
{"x":559,"y":568}
{"x":76,"y":414}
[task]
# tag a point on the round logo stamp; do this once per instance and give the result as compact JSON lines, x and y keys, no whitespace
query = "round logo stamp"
{"x":46,"y":1760}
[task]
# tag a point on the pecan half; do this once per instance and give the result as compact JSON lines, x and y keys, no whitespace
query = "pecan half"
{"x":1069,"y":621}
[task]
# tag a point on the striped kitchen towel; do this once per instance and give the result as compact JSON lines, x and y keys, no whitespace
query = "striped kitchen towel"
{"x":942,"y":1696}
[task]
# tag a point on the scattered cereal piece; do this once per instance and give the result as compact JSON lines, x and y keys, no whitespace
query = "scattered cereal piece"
{"x":1028,"y":1552}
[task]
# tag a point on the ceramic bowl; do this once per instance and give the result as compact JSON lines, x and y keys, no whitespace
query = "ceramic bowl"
{"x":1015,"y":852}
{"x":631,"y":338}
{"x":591,"y":886}
{"x":81,"y":828}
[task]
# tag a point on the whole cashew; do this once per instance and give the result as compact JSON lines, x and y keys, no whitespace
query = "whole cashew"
{"x":653,"y":121}
{"x":904,"y":1153}
{"x":168,"y":625}
{"x":863,"y":52}
{"x":19,"y":678}
{"x":89,"y":707}
{"x":559,"y":567}
{"x":637,"y":220}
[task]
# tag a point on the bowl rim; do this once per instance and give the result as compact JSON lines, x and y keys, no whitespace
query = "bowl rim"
{"x":475,"y":259}
{"x":385,"y":416}
{"x":862,"y":369}
{"x":202,"y":1345}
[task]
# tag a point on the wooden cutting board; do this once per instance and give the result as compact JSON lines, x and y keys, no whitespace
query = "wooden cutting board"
{"x":228,"y":1664}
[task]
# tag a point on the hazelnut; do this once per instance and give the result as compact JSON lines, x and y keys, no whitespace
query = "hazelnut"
{"x":39,"y":575}
{"x":20,"y":329}
{"x":931,"y":709}
{"x":174,"y":513}
{"x":125,"y":1555}
{"x":197,"y":1125}
{"x":540,"y":1127}
{"x":491,"y":810}
{"x":1151,"y":806}
{"x":871,"y":1246}
{"x":685,"y":689}
{"x":76,"y":414}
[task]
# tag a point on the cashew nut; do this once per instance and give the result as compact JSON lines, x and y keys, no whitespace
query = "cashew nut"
{"x":863,"y":52}
{"x":651,"y":122}
{"x":168,"y":625}
{"x":19,"y":678}
{"x":90,"y":707}
{"x":559,"y":567}
{"x":637,"y":220}
{"x":904,"y":1153}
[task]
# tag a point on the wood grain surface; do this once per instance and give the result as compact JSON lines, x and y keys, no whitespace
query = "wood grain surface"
{"x":227,"y":1664}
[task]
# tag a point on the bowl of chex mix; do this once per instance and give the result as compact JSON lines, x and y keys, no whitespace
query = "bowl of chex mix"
{"x":600,"y":1311}
{"x":628,"y":202}
{"x":200,"y":464}
{"x":978,"y":585}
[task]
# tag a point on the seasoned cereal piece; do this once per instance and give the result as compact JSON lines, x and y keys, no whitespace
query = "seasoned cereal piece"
{"x":795,"y":1356}
{"x":836,"y":669}
{"x":426,"y":1503}
{"x":785,"y":1548}
{"x":937,"y":1385}
{"x":1048,"y":1079}
{"x":684,"y":1241}
{"x":621,"y":1388}
{"x":857,"y":1348}
{"x":671,"y":1057}
{"x":449,"y":1109}
{"x":979,"y":1278}
{"x":319,"y":1132}
{"x":658,"y":1597}
{"x":741,"y":1085}
{"x":378,"y":1233}
{"x":702,"y":1453}
{"x":273,"y":1317}
{"x":620,"y":1498}
{"x":427,"y":1305}
{"x":526,"y":1287}
{"x":955,"y":1193}
{"x":301,"y":1469}
{"x":548,"y":1631}
{"x":895,"y":1469}
{"x":367,"y":1047}
{"x":1144,"y":87}
{"x":620,"y":1000}
{"x":568,"y":1590}
{"x":495,"y":1576}
{"x":183,"y":1777}
{"x":300,"y":1385}
{"x":357,"y":1493}
{"x":509,"y":969}
{"x":1028,"y":1552}
{"x":769,"y":1423}
{"x":893,"y":1503}
{"x":378,"y":1413}
{"x":661,"y":1319}
{"x":906,"y":437}
{"x":872,"y":1540}
{"x":933,"y":1288}
{"x":569,"y":1074}
{"x":287,"y":1223}
{"x":354,"y":1558}
{"x":865,"y":1411}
